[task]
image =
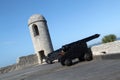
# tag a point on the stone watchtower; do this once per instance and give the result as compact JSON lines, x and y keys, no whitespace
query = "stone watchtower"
{"x":40,"y":35}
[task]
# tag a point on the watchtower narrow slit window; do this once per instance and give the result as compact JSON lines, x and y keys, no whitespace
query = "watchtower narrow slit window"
{"x":35,"y":30}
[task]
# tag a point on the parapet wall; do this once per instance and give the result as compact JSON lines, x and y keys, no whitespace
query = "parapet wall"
{"x":22,"y":62}
{"x":28,"y":60}
{"x":107,"y":48}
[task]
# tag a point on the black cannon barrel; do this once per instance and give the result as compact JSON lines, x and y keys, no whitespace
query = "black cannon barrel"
{"x":83,"y":40}
{"x":90,"y":38}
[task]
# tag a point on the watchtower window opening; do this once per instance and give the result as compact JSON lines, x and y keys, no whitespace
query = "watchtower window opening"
{"x":35,"y":30}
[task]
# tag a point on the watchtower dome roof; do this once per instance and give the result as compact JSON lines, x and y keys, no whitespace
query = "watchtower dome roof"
{"x":35,"y":18}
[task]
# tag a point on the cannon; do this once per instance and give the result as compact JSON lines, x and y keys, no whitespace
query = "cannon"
{"x":68,"y":52}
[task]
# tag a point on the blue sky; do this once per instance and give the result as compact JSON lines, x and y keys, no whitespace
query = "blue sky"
{"x":68,"y":20}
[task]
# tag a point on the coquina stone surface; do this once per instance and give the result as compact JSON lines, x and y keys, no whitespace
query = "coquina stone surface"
{"x":40,"y":35}
{"x":22,"y":62}
{"x":107,"y":48}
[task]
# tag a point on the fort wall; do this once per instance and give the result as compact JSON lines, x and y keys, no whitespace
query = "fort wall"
{"x":106,"y":48}
{"x":22,"y":62}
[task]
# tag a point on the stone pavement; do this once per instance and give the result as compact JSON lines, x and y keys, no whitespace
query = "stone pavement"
{"x":92,"y":70}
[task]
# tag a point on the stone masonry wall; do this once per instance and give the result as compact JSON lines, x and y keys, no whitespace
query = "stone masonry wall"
{"x":107,"y":48}
{"x":28,"y":60}
{"x":22,"y":62}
